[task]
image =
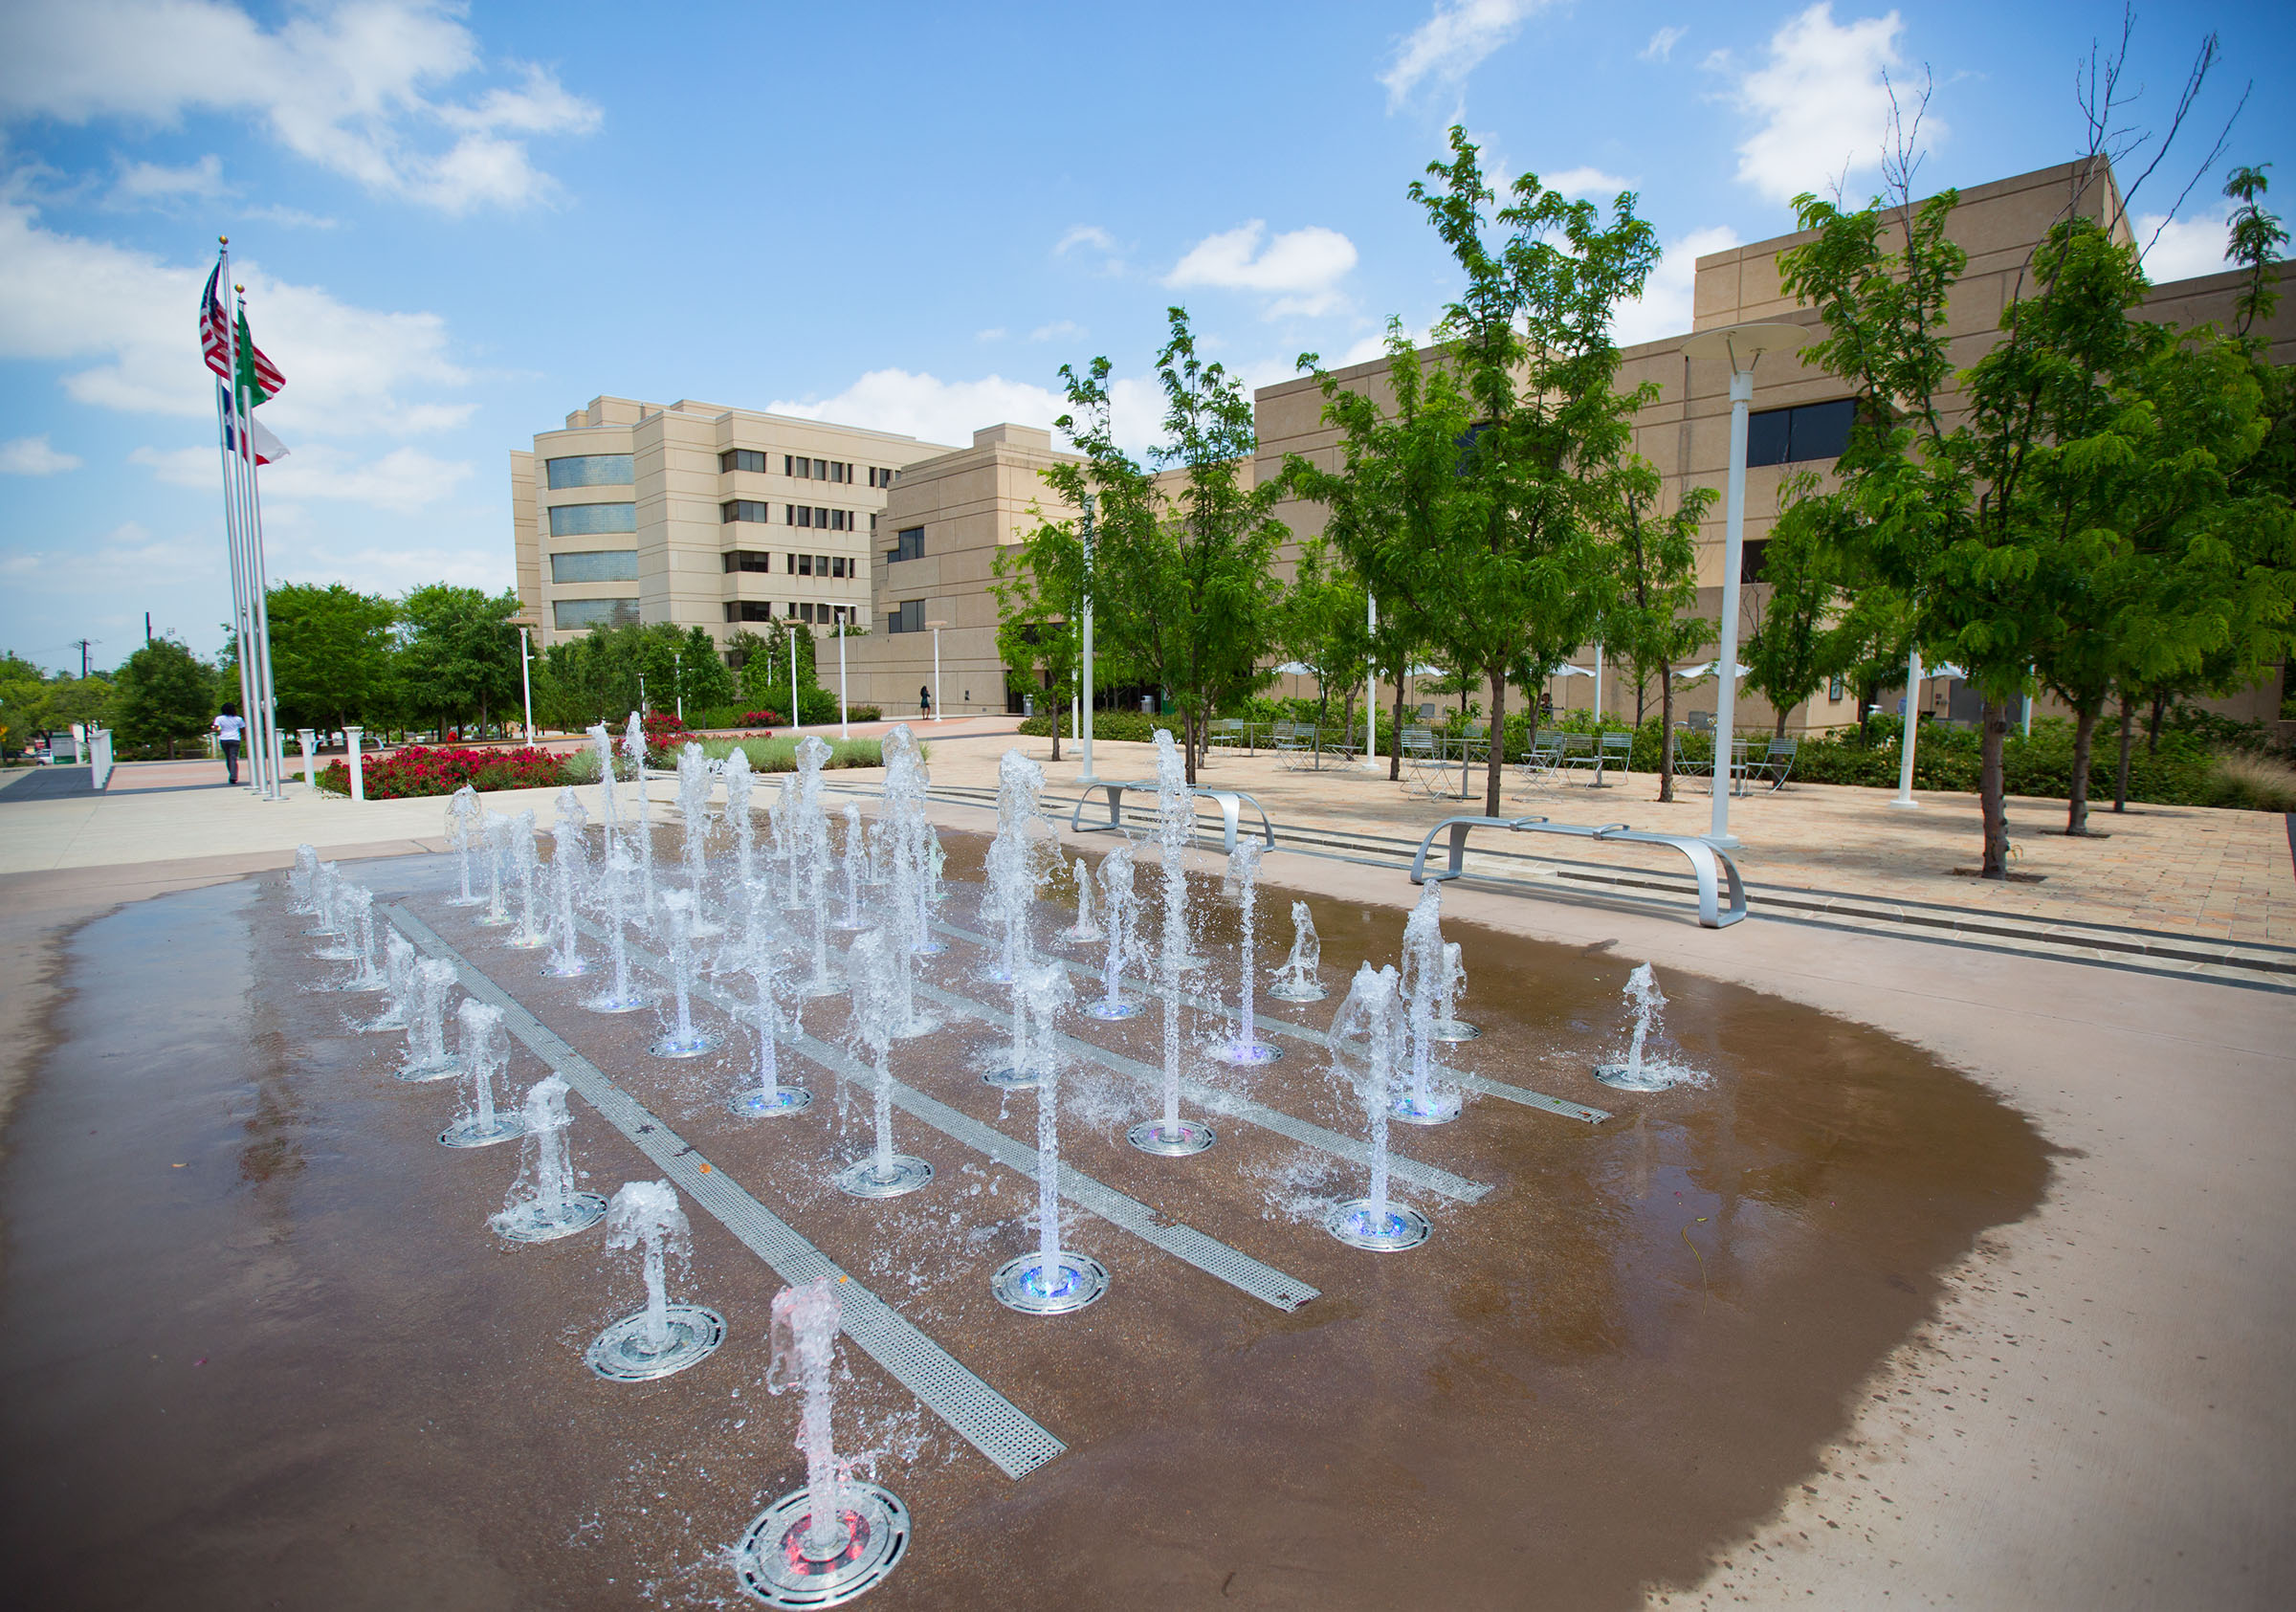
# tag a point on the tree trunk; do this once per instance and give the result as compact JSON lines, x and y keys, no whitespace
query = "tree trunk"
{"x":1187,"y":730}
{"x":1779,"y":732}
{"x":1056,"y":716}
{"x":1666,"y":735}
{"x":2085,"y":734}
{"x":1993,"y":720}
{"x":2120,"y":789}
{"x":1395,"y":756}
{"x":1494,"y":769}
{"x":2153,"y":725}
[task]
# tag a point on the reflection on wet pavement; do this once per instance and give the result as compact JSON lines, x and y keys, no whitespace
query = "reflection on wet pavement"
{"x":300,"y":1369}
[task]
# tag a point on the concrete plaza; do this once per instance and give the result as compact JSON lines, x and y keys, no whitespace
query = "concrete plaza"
{"x":2098,"y":1413}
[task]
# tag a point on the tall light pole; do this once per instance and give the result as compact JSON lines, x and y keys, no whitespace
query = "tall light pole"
{"x":1371,"y":684}
{"x":526,"y":681}
{"x":1084,"y":726}
{"x":1905,"y":801}
{"x":937,"y":626}
{"x":1740,"y":346}
{"x":837,"y":626}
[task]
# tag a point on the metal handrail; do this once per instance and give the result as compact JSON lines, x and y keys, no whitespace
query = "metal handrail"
{"x":1229,"y":801}
{"x":1710,"y":865}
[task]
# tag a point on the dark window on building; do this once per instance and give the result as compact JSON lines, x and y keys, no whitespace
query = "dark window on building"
{"x":908,"y":544}
{"x":584,"y":521}
{"x":821,"y":565}
{"x":617,"y":565}
{"x":742,"y":458}
{"x":589,"y":470}
{"x":1750,"y":559}
{"x":748,"y":609}
{"x":804,"y":565}
{"x":743,"y":509}
{"x":748,"y":559}
{"x":1810,"y":430}
{"x":907,"y":616}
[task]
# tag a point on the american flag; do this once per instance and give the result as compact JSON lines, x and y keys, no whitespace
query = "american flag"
{"x":215,"y":328}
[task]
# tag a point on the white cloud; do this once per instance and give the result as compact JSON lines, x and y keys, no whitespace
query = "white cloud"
{"x":1588,"y":181}
{"x":2187,"y":249}
{"x":145,"y":184}
{"x":403,"y":481}
{"x":1452,"y":42}
{"x":1822,"y":107}
{"x":1661,"y":47}
{"x":134,"y":319}
{"x":352,"y":88}
{"x":1666,"y":304}
{"x":1085,"y":234}
{"x":995,"y":333}
{"x":1057,"y":329}
{"x":928,"y":408}
{"x":34,"y":455}
{"x":1300,"y":268}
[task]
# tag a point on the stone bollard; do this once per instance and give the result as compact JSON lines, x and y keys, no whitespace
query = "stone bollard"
{"x":307,"y":738}
{"x":351,"y":757}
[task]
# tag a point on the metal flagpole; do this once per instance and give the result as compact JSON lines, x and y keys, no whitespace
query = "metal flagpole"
{"x":234,"y":518}
{"x":1084,"y":728}
{"x":526,"y":683}
{"x":258,"y":582}
{"x":1371,"y":685}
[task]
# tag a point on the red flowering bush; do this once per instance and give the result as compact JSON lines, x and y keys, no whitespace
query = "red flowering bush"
{"x":761,"y":720}
{"x":417,"y":769}
{"x":665,"y":731}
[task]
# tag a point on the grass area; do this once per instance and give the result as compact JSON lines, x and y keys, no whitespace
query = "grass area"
{"x":765,"y":755}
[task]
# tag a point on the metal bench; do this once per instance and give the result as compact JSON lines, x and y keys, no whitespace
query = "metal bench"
{"x":1230,"y":802}
{"x":1710,"y":866}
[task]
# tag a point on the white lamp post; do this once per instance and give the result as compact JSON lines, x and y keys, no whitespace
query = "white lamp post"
{"x":1905,"y":801}
{"x":1740,"y":346}
{"x":1371,"y":687}
{"x":937,"y":626}
{"x":526,"y":681}
{"x":837,"y":626}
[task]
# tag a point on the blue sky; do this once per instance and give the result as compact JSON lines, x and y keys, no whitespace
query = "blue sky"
{"x":456,"y":224}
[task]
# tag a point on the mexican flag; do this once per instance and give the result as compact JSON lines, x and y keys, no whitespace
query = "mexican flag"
{"x":259,"y":379}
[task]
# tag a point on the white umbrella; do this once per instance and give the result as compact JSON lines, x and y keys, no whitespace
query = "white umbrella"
{"x":1427,"y":672}
{"x":1292,"y":669}
{"x":1704,"y":669}
{"x":1948,"y":670}
{"x":1570,"y":671}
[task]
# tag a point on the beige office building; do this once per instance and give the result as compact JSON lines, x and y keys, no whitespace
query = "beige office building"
{"x":698,"y":514}
{"x":955,"y":512}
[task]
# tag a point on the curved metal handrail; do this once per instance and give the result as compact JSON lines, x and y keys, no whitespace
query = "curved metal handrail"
{"x":1229,"y":801}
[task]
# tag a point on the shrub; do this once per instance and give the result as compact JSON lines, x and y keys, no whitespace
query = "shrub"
{"x":665,"y":731}
{"x":1135,"y":727}
{"x":2252,"y":783}
{"x":780,"y":755}
{"x":417,"y":769}
{"x":761,"y":720}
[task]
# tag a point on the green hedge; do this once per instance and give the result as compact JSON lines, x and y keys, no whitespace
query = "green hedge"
{"x":1134,"y":726}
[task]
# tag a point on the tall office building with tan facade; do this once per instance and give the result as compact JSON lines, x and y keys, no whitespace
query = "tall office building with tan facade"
{"x":698,"y":514}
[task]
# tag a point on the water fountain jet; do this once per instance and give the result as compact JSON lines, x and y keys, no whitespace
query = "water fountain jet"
{"x":483,"y":1057}
{"x":768,"y":1096}
{"x":464,"y":816}
{"x":837,"y":1538}
{"x":623,"y":996}
{"x":1122,"y":902}
{"x":1642,"y":1072}
{"x":1052,"y":1281}
{"x":1373,"y":1014}
{"x":663,"y":1337}
{"x":1422,"y":982}
{"x":1246,"y":1048}
{"x":885,"y":1173}
{"x":544,"y":1204}
{"x":1084,"y":931}
{"x":1300,"y":978}
{"x":1172,"y":1137}
{"x":683,"y":1039}
{"x":426,"y":1055}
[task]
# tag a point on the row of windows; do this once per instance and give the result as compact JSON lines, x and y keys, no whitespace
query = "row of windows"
{"x":907,"y":616}
{"x":813,"y":516}
{"x":908,"y":544}
{"x":583,"y":521}
{"x":755,"y":609}
{"x":579,"y":616}
{"x":589,"y":470}
{"x":617,"y":565}
{"x":799,"y":564}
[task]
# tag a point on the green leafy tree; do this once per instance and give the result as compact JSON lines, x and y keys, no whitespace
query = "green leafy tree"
{"x":1183,"y":587}
{"x":165,"y":695}
{"x":1653,"y":624}
{"x":1789,"y":654}
{"x":765,"y":667}
{"x":1039,"y":590}
{"x":1395,"y":487}
{"x":85,"y":700}
{"x":703,"y":680}
{"x":459,"y":654}
{"x":1513,"y":579}
{"x":1324,"y":626}
{"x":330,"y":654}
{"x":25,"y":709}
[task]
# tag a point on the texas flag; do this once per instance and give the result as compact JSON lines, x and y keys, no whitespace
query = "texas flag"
{"x":268,"y":448}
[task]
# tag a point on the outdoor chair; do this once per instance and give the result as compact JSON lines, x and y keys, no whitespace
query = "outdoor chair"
{"x":1702,"y":722}
{"x":1578,"y":751}
{"x":1295,"y":739}
{"x":1227,"y":734}
{"x":1618,"y":751}
{"x":1542,"y":767}
{"x":1777,"y":763}
{"x":1422,"y":761}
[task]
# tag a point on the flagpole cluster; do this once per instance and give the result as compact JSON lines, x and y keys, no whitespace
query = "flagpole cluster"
{"x":246,"y":378}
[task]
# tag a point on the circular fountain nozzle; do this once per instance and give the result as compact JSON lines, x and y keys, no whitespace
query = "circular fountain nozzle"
{"x":1020,"y":1283}
{"x":861,"y":1180}
{"x":1010,"y":1079}
{"x":621,"y":1354}
{"x":1171,"y":1142}
{"x":929,"y":947}
{"x":1111,"y":1009}
{"x":1452,"y":1031}
{"x":442,"y":1068}
{"x":530,"y":1223}
{"x":1353,"y":1224}
{"x":787,"y":1099}
{"x":468,"y":1133}
{"x":669,"y":1046}
{"x":773,"y":1564}
{"x":580,"y":965}
{"x":1247,"y":1053}
{"x":1286,"y":991}
{"x":606,"y":1002}
{"x":1437,"y":1107}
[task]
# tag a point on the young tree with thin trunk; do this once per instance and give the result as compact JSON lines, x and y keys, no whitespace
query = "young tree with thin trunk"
{"x":1653,"y":623}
